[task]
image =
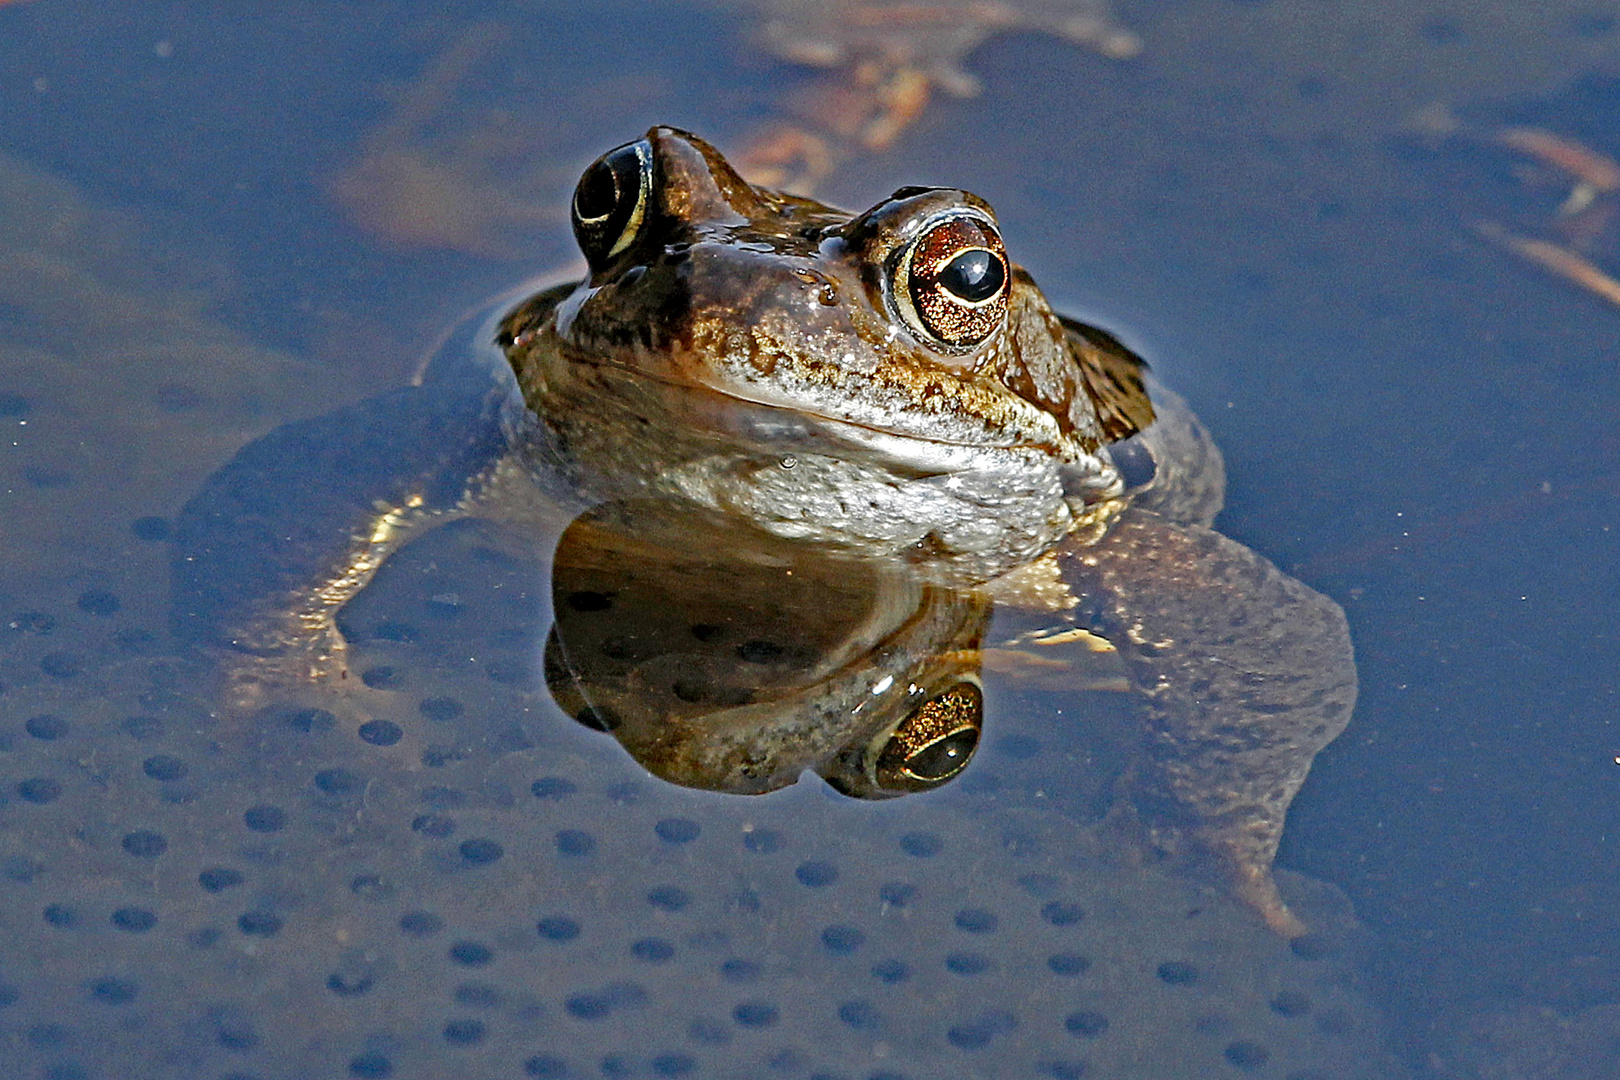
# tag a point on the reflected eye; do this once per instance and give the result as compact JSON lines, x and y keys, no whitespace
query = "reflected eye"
{"x":950,"y":283}
{"x":934,"y":743}
{"x":610,"y":202}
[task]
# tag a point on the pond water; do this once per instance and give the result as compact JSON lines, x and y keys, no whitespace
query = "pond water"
{"x":216,"y":223}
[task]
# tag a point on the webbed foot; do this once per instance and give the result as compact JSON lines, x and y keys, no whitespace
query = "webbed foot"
{"x":1243,"y":673}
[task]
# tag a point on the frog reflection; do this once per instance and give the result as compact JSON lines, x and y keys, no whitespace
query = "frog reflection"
{"x":725,"y":658}
{"x":887,"y":389}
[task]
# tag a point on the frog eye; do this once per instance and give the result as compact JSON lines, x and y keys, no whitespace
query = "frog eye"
{"x":933,"y":743}
{"x":610,"y":202}
{"x":950,"y":281}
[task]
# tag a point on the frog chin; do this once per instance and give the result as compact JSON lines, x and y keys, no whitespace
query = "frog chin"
{"x":970,"y":511}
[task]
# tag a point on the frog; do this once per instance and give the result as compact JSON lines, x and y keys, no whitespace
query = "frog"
{"x":883,"y":393}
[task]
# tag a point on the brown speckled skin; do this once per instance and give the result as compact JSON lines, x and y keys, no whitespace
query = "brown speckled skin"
{"x":744,"y":326}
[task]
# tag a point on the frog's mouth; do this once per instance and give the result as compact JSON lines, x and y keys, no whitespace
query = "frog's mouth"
{"x":745,"y":417}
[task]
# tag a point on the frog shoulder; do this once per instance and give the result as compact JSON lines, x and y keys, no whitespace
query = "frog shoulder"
{"x":1114,"y":378}
{"x":1173,"y":466}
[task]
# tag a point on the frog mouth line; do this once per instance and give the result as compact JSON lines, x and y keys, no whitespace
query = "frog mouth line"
{"x":833,"y":424}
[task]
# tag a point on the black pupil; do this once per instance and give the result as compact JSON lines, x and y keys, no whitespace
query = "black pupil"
{"x":940,"y":760}
{"x":973,"y":275}
{"x":598,"y":191}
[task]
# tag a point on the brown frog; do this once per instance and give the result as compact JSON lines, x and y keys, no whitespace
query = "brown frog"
{"x":885,"y":390}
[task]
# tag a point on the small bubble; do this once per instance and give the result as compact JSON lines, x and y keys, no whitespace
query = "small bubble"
{"x":755,"y":1014}
{"x":372,"y":887}
{"x":371,"y":1067}
{"x":672,"y":1065}
{"x":437,"y":826}
{"x":112,"y":991}
{"x":677,"y":830}
{"x":762,"y":841}
{"x":259,"y":923}
{"x":382,"y":677}
{"x":381,"y":732}
{"x":464,"y":1032}
{"x":969,"y":1036}
{"x":668,"y":898}
{"x":588,"y":1006}
{"x":165,"y":767}
{"x":842,"y":940}
{"x":890,"y":972}
{"x":39,"y":790}
{"x":558,"y":928}
{"x":1246,"y":1055}
{"x":235,"y":1034}
{"x":420,"y":923}
{"x":1061,"y":913}
{"x":921,"y":845}
{"x":976,"y":921}
{"x":471,"y":953}
{"x":142,"y":728}
{"x":860,"y":1015}
{"x":480,"y":852}
{"x":145,"y":844}
{"x":400,"y":633}
{"x":60,"y":916}
{"x":966,"y":963}
{"x":478,"y":995}
{"x":349,"y":985}
{"x":708,"y":1032}
{"x":440,"y":709}
{"x":265,"y":819}
{"x":552,"y":788}
{"x":338,"y":782}
{"x":133,"y":920}
{"x":575,"y":842}
{"x":1177,"y":973}
{"x":219,"y":878}
{"x":652,"y":950}
{"x":1068,"y":965}
{"x":46,"y":727}
{"x":1290,"y":1004}
{"x":1085,"y":1025}
{"x":816,"y":875}
{"x":897,"y":893}
{"x":737,"y":970}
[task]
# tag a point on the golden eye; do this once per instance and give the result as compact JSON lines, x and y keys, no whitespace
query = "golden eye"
{"x":950,"y":282}
{"x":610,"y":202}
{"x":933,"y":743}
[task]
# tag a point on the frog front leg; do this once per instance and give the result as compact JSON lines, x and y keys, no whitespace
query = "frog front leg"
{"x":299,"y":521}
{"x":1243,"y":674}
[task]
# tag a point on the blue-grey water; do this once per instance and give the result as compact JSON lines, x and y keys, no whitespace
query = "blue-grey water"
{"x":213,"y":222}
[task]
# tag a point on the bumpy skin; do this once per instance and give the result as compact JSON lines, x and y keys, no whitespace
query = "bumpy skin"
{"x":772,"y":362}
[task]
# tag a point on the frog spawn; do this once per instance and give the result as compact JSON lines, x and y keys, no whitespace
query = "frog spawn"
{"x":458,"y":879}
